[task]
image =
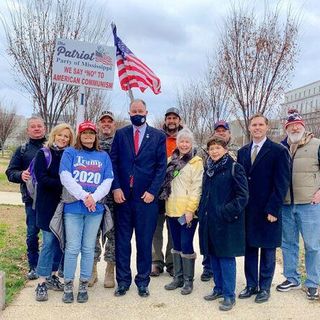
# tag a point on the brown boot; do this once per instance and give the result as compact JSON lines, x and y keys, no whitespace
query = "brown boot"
{"x":109,"y":275}
{"x":94,"y":276}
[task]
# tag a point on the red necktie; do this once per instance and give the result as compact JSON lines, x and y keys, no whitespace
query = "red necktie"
{"x":136,"y":141}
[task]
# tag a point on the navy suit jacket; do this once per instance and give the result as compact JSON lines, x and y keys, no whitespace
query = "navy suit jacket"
{"x":148,"y":167}
{"x":268,"y":180}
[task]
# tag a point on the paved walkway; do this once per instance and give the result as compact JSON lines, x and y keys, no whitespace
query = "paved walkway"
{"x":13,"y":198}
{"x":161,"y":304}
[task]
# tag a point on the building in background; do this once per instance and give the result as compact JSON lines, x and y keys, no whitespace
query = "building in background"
{"x":306,"y":100}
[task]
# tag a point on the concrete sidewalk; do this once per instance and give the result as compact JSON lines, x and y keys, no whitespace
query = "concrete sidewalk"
{"x":13,"y":198}
{"x":161,"y":304}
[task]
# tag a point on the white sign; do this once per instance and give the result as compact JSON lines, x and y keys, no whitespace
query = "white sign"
{"x":83,"y":64}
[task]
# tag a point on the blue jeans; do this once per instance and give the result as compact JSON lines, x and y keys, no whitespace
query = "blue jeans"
{"x":50,"y":254}
{"x":224,"y":275}
{"x":32,"y":240}
{"x":81,"y":233}
{"x":303,"y":218}
{"x":182,"y":236}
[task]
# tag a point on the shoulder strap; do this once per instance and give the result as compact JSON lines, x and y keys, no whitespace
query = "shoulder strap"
{"x":233,"y":168}
{"x":47,"y":155}
{"x":23,"y":149}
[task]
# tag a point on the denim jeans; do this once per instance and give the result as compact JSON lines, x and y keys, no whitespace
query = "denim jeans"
{"x":303,"y":218}
{"x":81,"y":233}
{"x":50,"y":254}
{"x":32,"y":240}
{"x":182,"y":236}
{"x":224,"y":275}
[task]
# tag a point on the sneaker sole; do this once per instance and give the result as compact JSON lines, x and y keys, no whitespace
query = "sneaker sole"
{"x":67,"y":301}
{"x":288,"y":289}
{"x":42,"y":299}
{"x":223,"y":308}
{"x":49,"y":287}
{"x":82,"y":301}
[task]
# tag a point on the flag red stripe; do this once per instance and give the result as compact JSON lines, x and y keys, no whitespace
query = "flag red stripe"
{"x":134,"y":73}
{"x":132,"y":66}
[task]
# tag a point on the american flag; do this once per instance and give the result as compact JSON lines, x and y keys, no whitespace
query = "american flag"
{"x":133,"y":73}
{"x":103,"y":58}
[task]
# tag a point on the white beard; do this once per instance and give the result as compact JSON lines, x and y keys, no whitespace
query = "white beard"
{"x":296,"y":137}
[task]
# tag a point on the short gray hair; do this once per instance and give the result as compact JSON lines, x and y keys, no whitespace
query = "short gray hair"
{"x":34,"y":118}
{"x":185,"y":133}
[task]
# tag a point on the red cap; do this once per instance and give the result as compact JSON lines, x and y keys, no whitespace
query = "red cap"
{"x":87,"y":125}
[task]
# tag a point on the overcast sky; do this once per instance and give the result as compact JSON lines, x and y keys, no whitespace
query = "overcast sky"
{"x":174,"y":38}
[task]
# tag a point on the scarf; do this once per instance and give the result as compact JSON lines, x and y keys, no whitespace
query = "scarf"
{"x":215,"y":166}
{"x":173,"y":169}
{"x":105,"y":143}
{"x":293,"y":147}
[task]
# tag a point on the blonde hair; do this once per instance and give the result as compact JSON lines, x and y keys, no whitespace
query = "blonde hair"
{"x":56,"y":130}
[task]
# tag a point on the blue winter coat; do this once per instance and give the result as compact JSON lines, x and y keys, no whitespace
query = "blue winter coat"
{"x":221,"y":211}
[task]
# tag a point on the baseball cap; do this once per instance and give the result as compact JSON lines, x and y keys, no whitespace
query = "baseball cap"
{"x":221,"y":123}
{"x":106,"y":114}
{"x":173,"y":110}
{"x":87,"y":125}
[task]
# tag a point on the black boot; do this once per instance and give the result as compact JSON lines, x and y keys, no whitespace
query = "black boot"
{"x":177,"y":281}
{"x":188,"y":261}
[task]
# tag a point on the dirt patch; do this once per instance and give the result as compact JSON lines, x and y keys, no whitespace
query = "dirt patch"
{"x":12,"y":216}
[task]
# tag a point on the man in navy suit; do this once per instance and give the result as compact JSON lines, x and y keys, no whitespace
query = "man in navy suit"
{"x":139,"y":162}
{"x":267,"y":165}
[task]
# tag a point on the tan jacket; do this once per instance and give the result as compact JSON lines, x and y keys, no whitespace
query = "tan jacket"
{"x":305,"y":173}
{"x":186,"y":189}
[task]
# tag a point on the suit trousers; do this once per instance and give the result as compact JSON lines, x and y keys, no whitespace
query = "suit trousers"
{"x":267,"y":267}
{"x":141,"y":217}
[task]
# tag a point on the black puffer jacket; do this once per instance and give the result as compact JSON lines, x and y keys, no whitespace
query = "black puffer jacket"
{"x":20,"y":161}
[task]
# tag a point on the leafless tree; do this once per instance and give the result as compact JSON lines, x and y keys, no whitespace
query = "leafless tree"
{"x":203,"y":103}
{"x":31,"y":28}
{"x":121,"y":122}
{"x":7,"y":124}
{"x":191,"y":103}
{"x":158,"y":122}
{"x":96,"y":101}
{"x":256,"y":55}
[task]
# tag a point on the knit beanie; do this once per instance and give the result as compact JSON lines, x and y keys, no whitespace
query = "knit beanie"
{"x":293,"y":117}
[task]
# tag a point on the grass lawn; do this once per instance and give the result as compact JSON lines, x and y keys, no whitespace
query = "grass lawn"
{"x":13,"y":260}
{"x":5,"y":185}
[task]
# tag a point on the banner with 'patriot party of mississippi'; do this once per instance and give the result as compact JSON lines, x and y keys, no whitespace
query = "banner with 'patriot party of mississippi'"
{"x":83,"y":64}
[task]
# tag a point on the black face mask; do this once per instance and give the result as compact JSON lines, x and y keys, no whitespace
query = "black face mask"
{"x":138,"y":120}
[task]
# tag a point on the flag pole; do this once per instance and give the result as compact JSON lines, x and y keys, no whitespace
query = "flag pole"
{"x":81,"y":103}
{"x":130,"y":93}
